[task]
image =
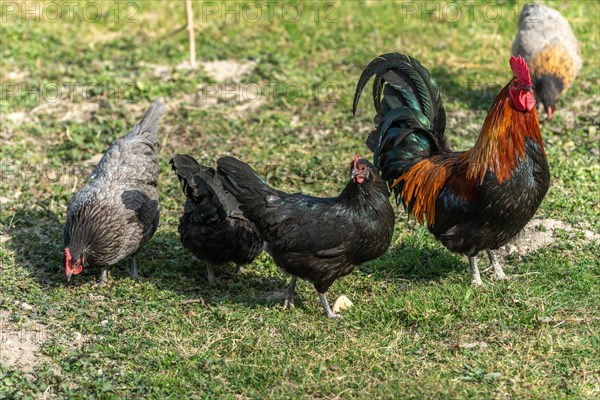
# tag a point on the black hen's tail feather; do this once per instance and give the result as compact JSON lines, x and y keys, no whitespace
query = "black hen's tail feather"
{"x":255,"y":197}
{"x":201,"y":186}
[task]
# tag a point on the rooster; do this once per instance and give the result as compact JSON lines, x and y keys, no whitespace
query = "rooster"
{"x":548,"y":44}
{"x":473,"y":200}
{"x":318,"y":239}
{"x":116,"y":214}
{"x":212,"y":226}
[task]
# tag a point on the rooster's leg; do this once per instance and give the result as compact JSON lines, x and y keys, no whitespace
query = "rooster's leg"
{"x":290,"y":293}
{"x":495,"y":264}
{"x":475,"y":277}
{"x":103,"y":276}
{"x":326,"y":307}
{"x":133,"y":273}
{"x":210,"y":275}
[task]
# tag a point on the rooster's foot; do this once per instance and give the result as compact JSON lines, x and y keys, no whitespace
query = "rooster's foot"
{"x":290,"y":293}
{"x":326,"y":307}
{"x":498,"y":273}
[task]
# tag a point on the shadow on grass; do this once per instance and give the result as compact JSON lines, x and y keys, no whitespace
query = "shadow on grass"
{"x":37,"y":242}
{"x":407,"y":261}
{"x":169,"y":266}
{"x":36,"y":238}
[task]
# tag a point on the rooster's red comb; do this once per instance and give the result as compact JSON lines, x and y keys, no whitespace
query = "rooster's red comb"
{"x":356,"y":158}
{"x":521,"y":70}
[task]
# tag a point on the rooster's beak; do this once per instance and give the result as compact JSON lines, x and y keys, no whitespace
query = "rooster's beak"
{"x":549,"y":111}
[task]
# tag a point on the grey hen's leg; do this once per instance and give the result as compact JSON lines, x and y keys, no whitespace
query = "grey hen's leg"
{"x":495,"y":264}
{"x":210,"y":275}
{"x":103,"y":276}
{"x":326,"y":307}
{"x":290,"y":293}
{"x":475,"y":277}
{"x":134,"y":272}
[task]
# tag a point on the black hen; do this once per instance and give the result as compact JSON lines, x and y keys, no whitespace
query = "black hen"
{"x":117,"y":213}
{"x":212,"y":226}
{"x":318,"y":239}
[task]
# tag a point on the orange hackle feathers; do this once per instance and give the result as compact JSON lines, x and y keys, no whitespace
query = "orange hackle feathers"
{"x":423,"y":183}
{"x":500,"y":146}
{"x":501,"y":142}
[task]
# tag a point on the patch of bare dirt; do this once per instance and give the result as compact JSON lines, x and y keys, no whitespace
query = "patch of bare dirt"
{"x":20,"y":347}
{"x":220,"y":70}
{"x":228,"y":70}
{"x":538,"y":233}
{"x":64,"y":110}
{"x":237,"y":98}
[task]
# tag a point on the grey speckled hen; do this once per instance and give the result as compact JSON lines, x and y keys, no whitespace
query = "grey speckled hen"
{"x":550,"y":48}
{"x":117,"y":213}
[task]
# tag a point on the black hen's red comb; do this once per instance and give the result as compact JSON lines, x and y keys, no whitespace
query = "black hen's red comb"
{"x":356,"y":159}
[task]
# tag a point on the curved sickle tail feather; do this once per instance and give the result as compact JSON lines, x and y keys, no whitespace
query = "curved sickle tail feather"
{"x":410,"y":118}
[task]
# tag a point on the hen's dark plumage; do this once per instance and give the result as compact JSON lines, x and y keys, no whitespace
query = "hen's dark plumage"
{"x":212,"y":226}
{"x":116,"y":214}
{"x":318,"y":239}
{"x":473,"y":200}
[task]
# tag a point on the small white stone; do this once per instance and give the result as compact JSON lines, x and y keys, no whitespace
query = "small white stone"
{"x":26,"y":306}
{"x":341,"y":303}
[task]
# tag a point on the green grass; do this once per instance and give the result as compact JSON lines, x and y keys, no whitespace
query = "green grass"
{"x":417,"y":328}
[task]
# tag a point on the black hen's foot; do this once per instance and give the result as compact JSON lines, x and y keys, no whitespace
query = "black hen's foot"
{"x":326,"y":307}
{"x":498,"y":273}
{"x":290,"y":294}
{"x":475,"y":276}
{"x":210,"y":276}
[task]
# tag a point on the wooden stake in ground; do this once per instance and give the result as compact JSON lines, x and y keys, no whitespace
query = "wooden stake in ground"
{"x":189,"y":16}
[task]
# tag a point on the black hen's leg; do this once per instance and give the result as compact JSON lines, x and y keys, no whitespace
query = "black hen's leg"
{"x":326,"y":307}
{"x":475,"y":277}
{"x":290,"y":293}
{"x":210,"y":275}
{"x":134,"y":273}
{"x":495,"y":264}
{"x":103,"y":276}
